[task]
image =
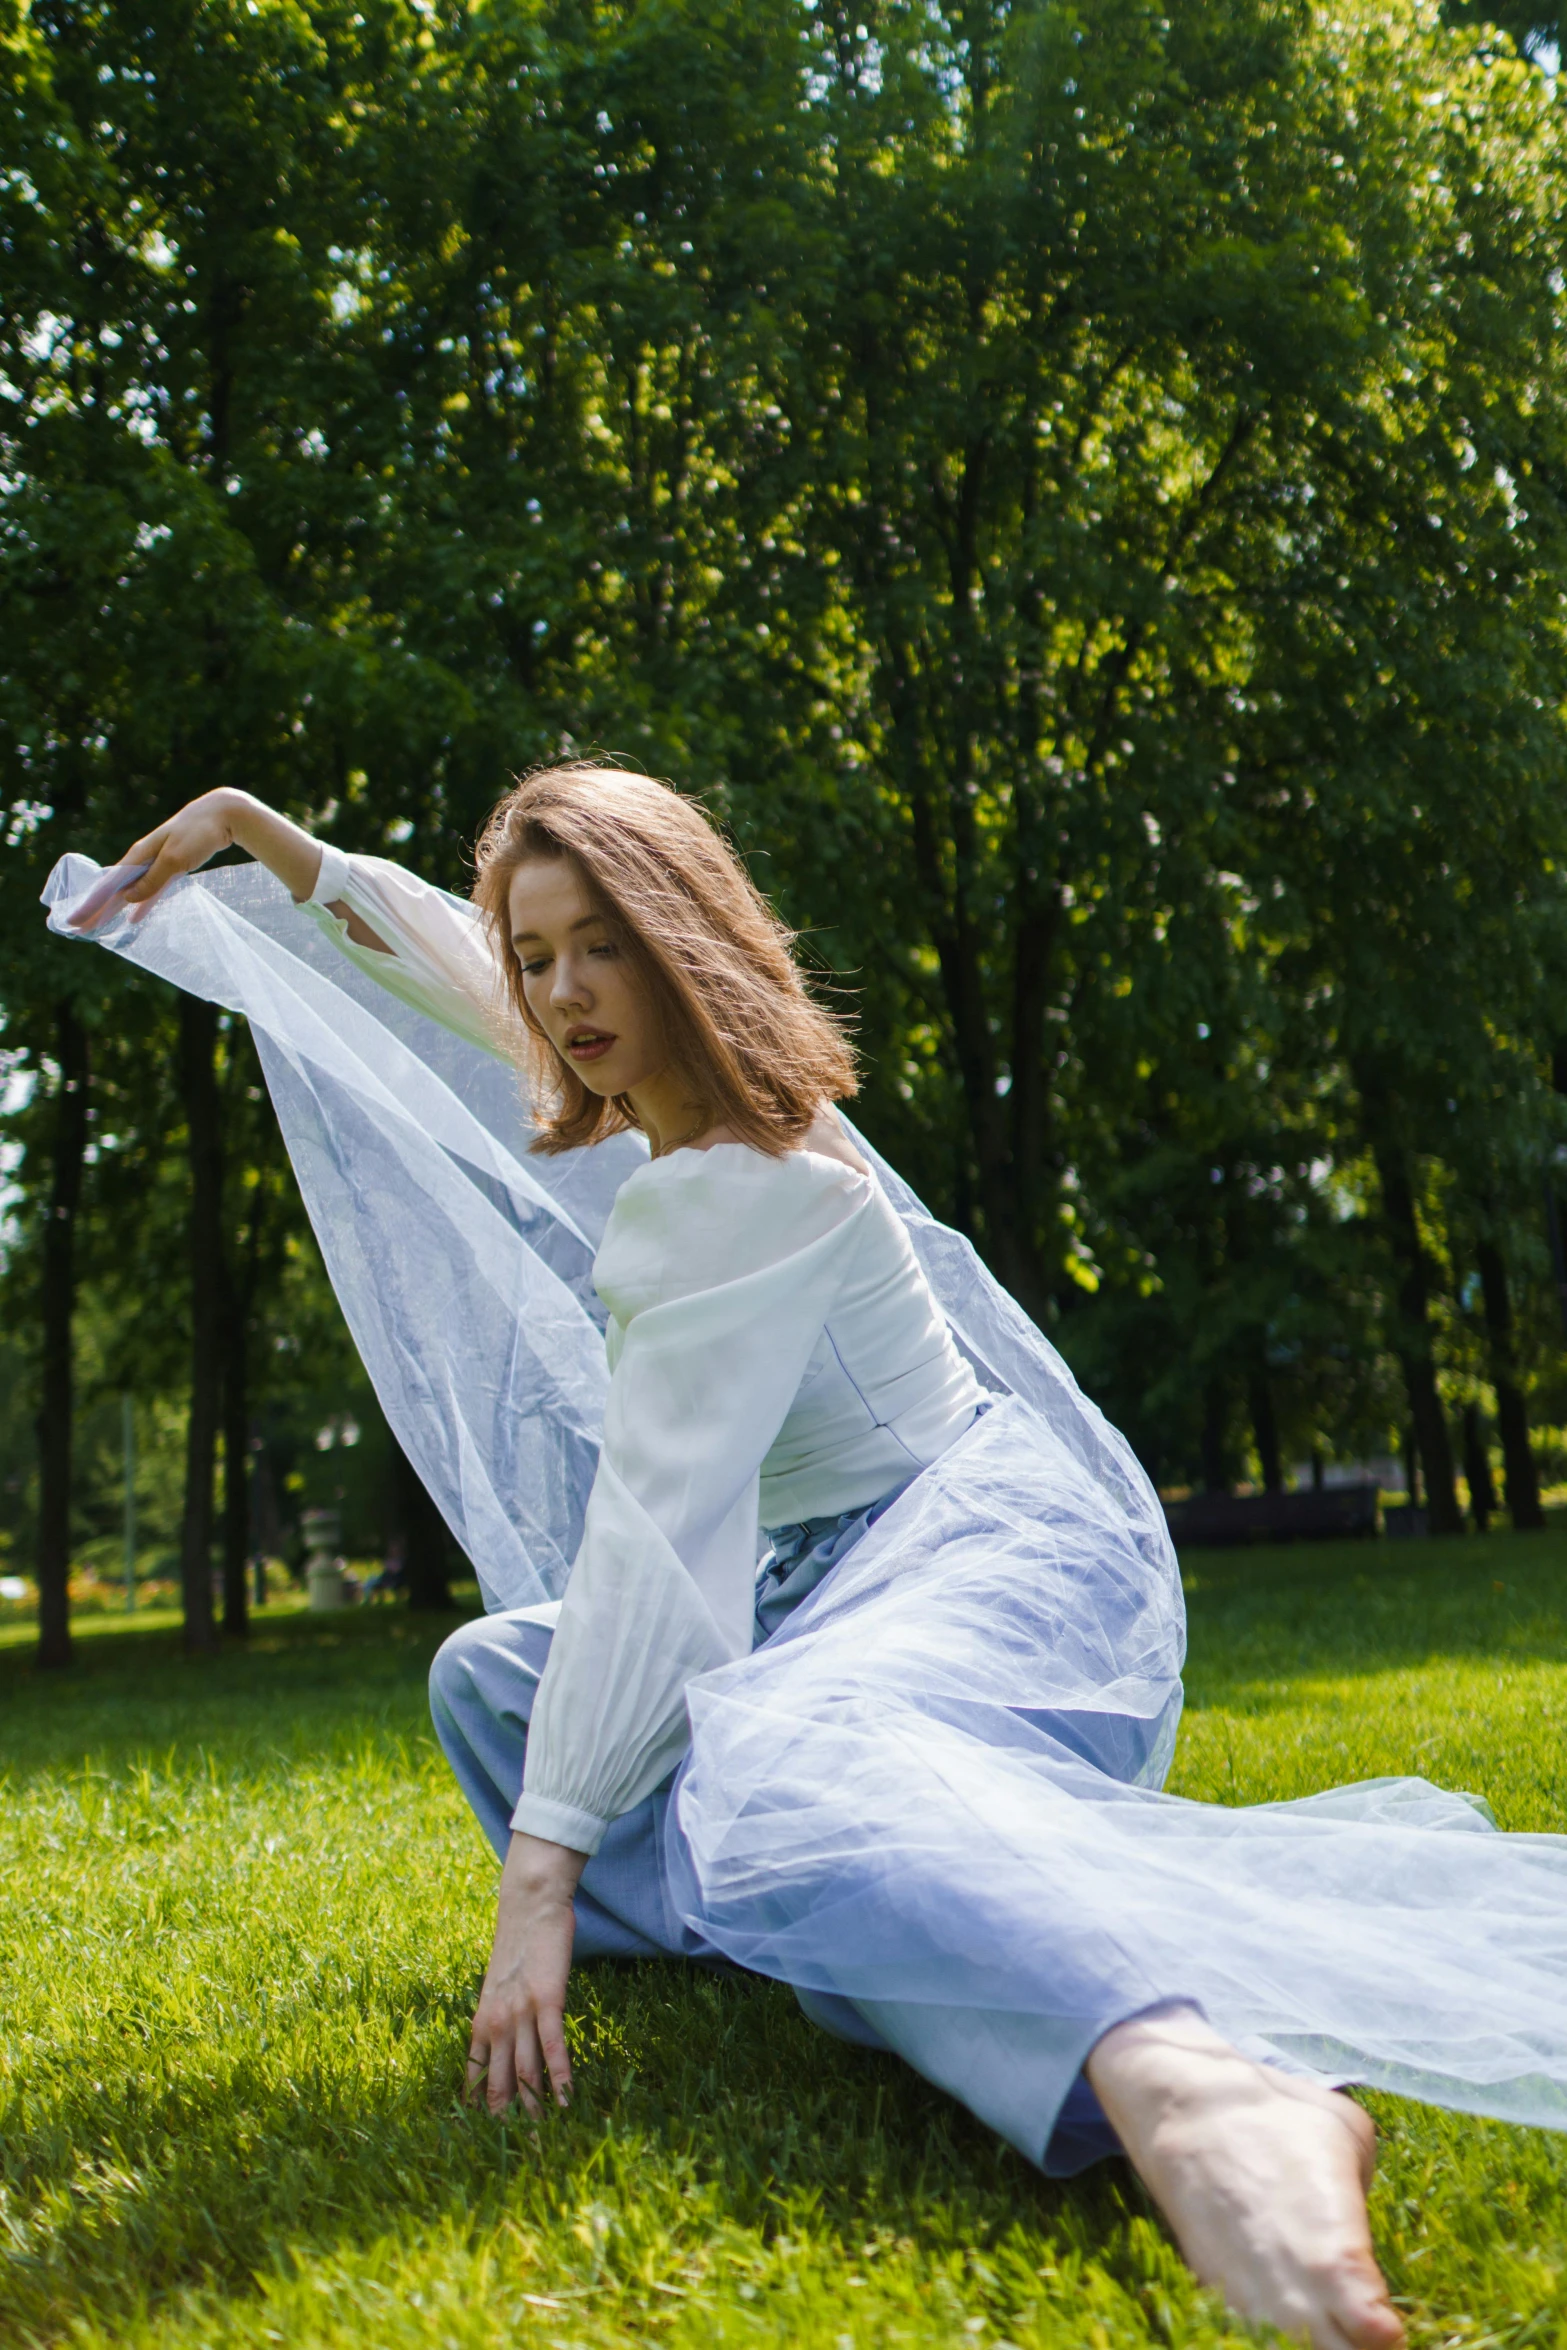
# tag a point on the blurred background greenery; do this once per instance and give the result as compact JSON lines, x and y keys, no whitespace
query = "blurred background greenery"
{"x":1080,"y":489}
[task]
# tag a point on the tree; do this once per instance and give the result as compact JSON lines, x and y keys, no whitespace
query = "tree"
{"x":170,"y":628}
{"x":56,"y":1415}
{"x":1189,"y":400}
{"x":1075,"y":489}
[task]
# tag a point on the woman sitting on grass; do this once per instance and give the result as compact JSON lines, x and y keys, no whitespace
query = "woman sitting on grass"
{"x":911,"y":1762}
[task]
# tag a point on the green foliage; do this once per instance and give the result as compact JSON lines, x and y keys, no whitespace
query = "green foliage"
{"x":1078,"y":488}
{"x":242,"y":1936}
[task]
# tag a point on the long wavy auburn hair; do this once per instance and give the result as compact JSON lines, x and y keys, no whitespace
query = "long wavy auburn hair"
{"x":758,"y":1054}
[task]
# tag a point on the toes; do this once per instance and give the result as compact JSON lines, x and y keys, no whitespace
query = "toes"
{"x":1361,"y":2310}
{"x":1374,"y":2329}
{"x":1380,"y":2328}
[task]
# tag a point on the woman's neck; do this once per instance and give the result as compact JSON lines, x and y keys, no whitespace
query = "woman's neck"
{"x":671,"y":1120}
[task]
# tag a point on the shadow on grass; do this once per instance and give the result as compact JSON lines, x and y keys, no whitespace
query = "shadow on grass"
{"x":150,"y":2154}
{"x":237,"y":2150}
{"x":704,"y":2106}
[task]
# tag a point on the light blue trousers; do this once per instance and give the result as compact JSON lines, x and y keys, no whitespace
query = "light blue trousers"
{"x":1021,"y":2074}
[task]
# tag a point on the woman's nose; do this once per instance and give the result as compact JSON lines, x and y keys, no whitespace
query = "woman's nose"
{"x":569,"y":991}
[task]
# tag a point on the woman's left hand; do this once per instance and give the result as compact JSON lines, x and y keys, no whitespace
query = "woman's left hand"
{"x":519,"y":2031}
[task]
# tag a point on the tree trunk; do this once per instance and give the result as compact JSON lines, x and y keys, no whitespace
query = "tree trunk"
{"x":1477,"y":1469}
{"x":1215,"y":1431}
{"x":1519,"y":1475}
{"x":266,"y":1517}
{"x":198,"y":1030}
{"x":57,"y":1385}
{"x":424,"y":1536}
{"x":1010,"y":1219}
{"x":236,"y":1472}
{"x":1265,"y":1430}
{"x":1553,"y":1214}
{"x":1412,"y":1341}
{"x":249,"y":1507}
{"x":238,"y":1434}
{"x":1553,"y":1233}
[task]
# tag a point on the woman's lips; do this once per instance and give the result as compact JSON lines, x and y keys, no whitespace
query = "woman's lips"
{"x":592,"y":1047}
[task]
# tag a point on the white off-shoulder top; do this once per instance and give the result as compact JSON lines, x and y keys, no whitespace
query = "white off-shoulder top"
{"x":775,"y":1355}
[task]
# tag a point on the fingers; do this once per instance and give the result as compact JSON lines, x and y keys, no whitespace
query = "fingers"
{"x":502,"y":2086}
{"x":552,"y":2039}
{"x":166,"y":866}
{"x":177,"y":846}
{"x":113,"y":886}
{"x":478,"y":2069}
{"x":492,"y":2073}
{"x":110,"y":885}
{"x":512,"y":2063}
{"x":527,"y":2071}
{"x":143,"y":851}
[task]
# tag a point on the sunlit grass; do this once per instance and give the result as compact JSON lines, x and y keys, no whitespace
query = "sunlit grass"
{"x":242,"y":1921}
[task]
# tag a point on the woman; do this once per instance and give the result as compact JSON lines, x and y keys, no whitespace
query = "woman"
{"x":911,"y":1763}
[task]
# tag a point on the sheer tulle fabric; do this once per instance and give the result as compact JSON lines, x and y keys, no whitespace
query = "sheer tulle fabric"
{"x":941,"y":1780}
{"x":944,"y":1772}
{"x":463,"y":1267}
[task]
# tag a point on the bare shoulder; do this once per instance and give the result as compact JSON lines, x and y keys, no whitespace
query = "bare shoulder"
{"x":824,"y":1138}
{"x":827,"y":1139}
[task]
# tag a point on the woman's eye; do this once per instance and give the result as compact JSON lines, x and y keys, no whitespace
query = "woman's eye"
{"x":606,"y":946}
{"x":539,"y":963}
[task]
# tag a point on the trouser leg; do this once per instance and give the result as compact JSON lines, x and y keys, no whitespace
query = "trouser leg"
{"x":482,"y":1686}
{"x":1020,"y":2074}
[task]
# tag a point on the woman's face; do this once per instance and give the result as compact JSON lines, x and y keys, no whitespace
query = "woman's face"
{"x":580,"y":986}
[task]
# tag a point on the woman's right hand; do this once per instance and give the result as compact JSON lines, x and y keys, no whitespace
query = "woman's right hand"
{"x":220,"y":820}
{"x":201,"y":830}
{"x":519,"y":2031}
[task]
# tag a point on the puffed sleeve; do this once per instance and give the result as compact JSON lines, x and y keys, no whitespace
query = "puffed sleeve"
{"x":436,"y":956}
{"x":719,"y":1269}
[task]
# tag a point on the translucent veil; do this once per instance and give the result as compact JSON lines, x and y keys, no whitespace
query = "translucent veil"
{"x":941,"y":1781}
{"x":462,"y":1265}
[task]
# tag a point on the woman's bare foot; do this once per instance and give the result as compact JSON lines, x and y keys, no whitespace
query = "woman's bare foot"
{"x":1262,"y":2177}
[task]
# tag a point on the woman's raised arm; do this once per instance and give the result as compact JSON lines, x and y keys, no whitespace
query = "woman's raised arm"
{"x":410,"y":937}
{"x":227,"y":819}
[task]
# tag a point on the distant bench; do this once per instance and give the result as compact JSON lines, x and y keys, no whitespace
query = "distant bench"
{"x":1215,"y":1520}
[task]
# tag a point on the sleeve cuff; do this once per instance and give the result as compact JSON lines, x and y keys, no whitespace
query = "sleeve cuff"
{"x":332,"y":880}
{"x":559,"y":1823}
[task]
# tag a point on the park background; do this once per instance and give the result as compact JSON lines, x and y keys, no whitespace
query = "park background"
{"x":1081,"y":490}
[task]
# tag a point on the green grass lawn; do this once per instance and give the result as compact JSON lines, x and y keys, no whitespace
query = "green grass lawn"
{"x":242,"y":1924}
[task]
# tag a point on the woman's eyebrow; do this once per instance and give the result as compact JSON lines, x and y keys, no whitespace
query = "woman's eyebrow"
{"x":583,"y":922}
